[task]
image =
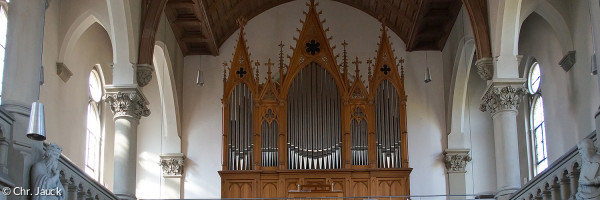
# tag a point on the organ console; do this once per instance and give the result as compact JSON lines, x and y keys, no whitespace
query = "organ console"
{"x":313,"y":126}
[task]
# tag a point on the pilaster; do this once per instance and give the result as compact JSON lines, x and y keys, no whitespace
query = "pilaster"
{"x":456,"y":162}
{"x":172,"y":165}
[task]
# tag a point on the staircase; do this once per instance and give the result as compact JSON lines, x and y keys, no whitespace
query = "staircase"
{"x":78,"y":185}
{"x":559,"y":181}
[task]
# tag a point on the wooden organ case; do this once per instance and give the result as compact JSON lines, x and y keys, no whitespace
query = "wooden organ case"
{"x":314,"y":132}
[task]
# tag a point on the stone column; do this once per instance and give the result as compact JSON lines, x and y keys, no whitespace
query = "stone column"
{"x":501,"y":99}
{"x":22,"y":63}
{"x":456,"y":160}
{"x":594,"y":7}
{"x":172,"y":172}
{"x":128,"y":105}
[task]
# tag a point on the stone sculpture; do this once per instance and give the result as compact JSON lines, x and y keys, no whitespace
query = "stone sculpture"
{"x":589,"y":178}
{"x":45,"y":176}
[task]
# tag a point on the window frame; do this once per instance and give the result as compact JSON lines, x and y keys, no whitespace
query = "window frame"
{"x":97,"y":173}
{"x":534,"y":96}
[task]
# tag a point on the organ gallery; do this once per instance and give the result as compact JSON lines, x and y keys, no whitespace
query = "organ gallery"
{"x":316,"y":130}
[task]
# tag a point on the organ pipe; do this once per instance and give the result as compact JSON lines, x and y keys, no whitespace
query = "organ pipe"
{"x":269,"y":139}
{"x":314,"y":121}
{"x":387,"y":131}
{"x":240,"y":129}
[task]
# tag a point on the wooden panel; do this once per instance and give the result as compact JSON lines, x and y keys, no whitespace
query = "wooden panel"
{"x":360,"y":188}
{"x":269,"y":190}
{"x":345,"y":182}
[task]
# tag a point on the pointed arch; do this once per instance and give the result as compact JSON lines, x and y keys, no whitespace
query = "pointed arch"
{"x":462,"y":68}
{"x":81,"y":24}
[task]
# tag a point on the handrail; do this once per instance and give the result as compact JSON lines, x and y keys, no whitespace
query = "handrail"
{"x":79,"y":185}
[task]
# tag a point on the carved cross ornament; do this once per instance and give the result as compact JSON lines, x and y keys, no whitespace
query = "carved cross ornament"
{"x":241,"y":72}
{"x":172,"y":165}
{"x":456,"y":160}
{"x":385,"y":69}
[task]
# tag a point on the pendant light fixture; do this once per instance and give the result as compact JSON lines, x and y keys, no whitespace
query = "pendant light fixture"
{"x":36,"y":130}
{"x":427,"y":72}
{"x":594,"y":59}
{"x":199,"y":77}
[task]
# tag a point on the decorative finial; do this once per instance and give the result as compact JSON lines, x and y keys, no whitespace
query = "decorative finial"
{"x":369,"y":61}
{"x":257,"y":64}
{"x":241,"y":21}
{"x":357,"y":71}
{"x":224,"y":71}
{"x":401,"y":68}
{"x":281,"y":61}
{"x":345,"y":60}
{"x":269,"y":64}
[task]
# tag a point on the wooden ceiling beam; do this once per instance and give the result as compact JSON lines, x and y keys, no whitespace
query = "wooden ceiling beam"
{"x":152,"y":11}
{"x":477,"y":10}
{"x":412,"y":38}
{"x":453,"y":9}
{"x":200,"y":10}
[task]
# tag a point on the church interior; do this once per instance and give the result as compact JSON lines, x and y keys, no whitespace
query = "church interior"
{"x":282,"y":99}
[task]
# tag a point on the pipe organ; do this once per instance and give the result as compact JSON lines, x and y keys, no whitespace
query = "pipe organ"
{"x":314,"y":131}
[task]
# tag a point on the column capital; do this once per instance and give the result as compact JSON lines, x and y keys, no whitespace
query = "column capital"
{"x":127,"y":101}
{"x":144,"y":74}
{"x":456,"y":160}
{"x":503,"y":95}
{"x":485,"y":68}
{"x":172,"y":165}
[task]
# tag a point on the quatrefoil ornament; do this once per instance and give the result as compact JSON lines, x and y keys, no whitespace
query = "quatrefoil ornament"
{"x":312,"y":47}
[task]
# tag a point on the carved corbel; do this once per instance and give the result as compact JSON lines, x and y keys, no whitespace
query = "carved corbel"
{"x":144,"y":74}
{"x":456,"y":160}
{"x":63,"y":72}
{"x":172,"y":165}
{"x":485,"y":68}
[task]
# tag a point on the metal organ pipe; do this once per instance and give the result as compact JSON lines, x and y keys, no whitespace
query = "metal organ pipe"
{"x":269,"y":142}
{"x":387,"y":120}
{"x":314,"y":126}
{"x":359,"y":145}
{"x":240,"y":129}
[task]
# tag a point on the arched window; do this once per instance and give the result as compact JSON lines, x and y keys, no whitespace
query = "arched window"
{"x":537,"y":122}
{"x":3,"y":31}
{"x":94,"y":132}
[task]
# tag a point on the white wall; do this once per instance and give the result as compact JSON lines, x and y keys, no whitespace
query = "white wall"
{"x":202,"y":118}
{"x":80,"y":35}
{"x":467,"y":126}
{"x":570,"y":98}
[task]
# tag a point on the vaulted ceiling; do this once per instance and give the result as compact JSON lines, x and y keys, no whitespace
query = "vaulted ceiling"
{"x":202,"y":26}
